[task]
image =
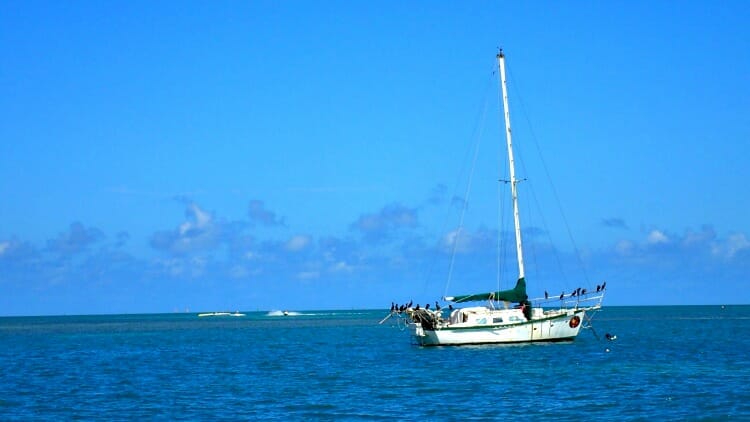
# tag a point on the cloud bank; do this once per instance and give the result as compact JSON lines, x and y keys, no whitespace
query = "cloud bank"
{"x":384,"y":255}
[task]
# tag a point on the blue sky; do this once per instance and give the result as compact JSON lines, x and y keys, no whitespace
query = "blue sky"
{"x":167,"y":156}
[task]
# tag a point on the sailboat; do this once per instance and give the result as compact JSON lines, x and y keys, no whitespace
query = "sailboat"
{"x":539,"y":320}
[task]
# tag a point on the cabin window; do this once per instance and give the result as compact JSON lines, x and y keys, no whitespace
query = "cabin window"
{"x":514,"y":318}
{"x":497,"y":320}
{"x":482,"y":321}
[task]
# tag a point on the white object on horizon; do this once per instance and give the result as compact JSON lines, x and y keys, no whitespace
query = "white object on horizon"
{"x":208,"y":314}
{"x":283,"y":313}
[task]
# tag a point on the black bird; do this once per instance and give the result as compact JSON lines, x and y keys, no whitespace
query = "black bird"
{"x":604,"y":285}
{"x":598,"y":288}
{"x":427,"y":306}
{"x":546,"y":295}
{"x":573,"y":294}
{"x":578,"y":291}
{"x":437,"y":305}
{"x":450,"y":307}
{"x":562,"y":295}
{"x":583,"y":292}
{"x":417,"y":308}
{"x":409,"y":305}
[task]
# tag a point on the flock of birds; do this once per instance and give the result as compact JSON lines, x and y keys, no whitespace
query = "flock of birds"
{"x":401,"y":308}
{"x":579,"y":291}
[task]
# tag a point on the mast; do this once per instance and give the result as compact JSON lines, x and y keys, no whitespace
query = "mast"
{"x":513,"y":180}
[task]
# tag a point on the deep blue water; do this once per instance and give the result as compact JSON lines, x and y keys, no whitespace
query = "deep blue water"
{"x":668,"y":363}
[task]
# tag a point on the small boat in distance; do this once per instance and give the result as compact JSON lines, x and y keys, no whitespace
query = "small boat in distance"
{"x":284,"y":313}
{"x":212,"y":314}
{"x":206,"y":314}
{"x":495,"y":322}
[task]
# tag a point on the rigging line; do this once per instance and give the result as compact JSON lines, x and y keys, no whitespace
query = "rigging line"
{"x":503,"y":239}
{"x":531,"y":247}
{"x":465,"y":204}
{"x":530,"y":218}
{"x":500,"y":243}
{"x":531,"y":221}
{"x":479,"y":130}
{"x":500,"y":237}
{"x":452,"y":192}
{"x":534,"y":253}
{"x":552,"y":185}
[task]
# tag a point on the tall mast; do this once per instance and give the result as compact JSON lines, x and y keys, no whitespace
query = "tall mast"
{"x":513,"y":180}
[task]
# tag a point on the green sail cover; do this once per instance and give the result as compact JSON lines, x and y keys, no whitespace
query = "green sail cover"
{"x":516,"y":294}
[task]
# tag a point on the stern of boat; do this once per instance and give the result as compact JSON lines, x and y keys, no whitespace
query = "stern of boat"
{"x":415,"y":329}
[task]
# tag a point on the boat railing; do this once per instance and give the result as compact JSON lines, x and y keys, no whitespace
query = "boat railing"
{"x":571,"y":300}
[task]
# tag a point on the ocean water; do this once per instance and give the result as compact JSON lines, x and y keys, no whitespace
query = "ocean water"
{"x":667,"y":363}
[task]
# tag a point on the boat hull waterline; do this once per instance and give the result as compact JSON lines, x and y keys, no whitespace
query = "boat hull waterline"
{"x":564,"y":326}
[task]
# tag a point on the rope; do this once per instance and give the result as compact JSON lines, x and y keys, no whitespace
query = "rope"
{"x":552,"y":185}
{"x":479,"y":129}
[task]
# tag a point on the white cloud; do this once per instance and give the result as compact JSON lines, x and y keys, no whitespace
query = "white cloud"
{"x":617,"y":223}
{"x":452,"y":238}
{"x":308,"y":275}
{"x":736,"y":243}
{"x":624,"y":247}
{"x":201,"y":219}
{"x":297,"y":243}
{"x":75,"y":240}
{"x":342,"y":267}
{"x":238,"y":271}
{"x":691,"y":246}
{"x":702,"y":237}
{"x":731,"y":246}
{"x":466,"y":242}
{"x":258,"y":213}
{"x":241,"y":271}
{"x":178,"y":267}
{"x":386,"y":222}
{"x":198,"y":232}
{"x":657,"y":237}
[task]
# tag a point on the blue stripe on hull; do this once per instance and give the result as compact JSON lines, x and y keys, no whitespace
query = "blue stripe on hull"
{"x":554,"y":340}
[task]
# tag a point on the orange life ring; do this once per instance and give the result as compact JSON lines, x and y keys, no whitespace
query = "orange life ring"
{"x":574,"y":321}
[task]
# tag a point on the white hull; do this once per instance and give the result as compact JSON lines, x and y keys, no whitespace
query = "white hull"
{"x":549,"y":326}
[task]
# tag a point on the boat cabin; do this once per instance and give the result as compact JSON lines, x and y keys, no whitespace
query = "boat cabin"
{"x":481,"y":315}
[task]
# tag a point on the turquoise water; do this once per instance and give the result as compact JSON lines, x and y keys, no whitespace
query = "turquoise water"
{"x":668,"y":363}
